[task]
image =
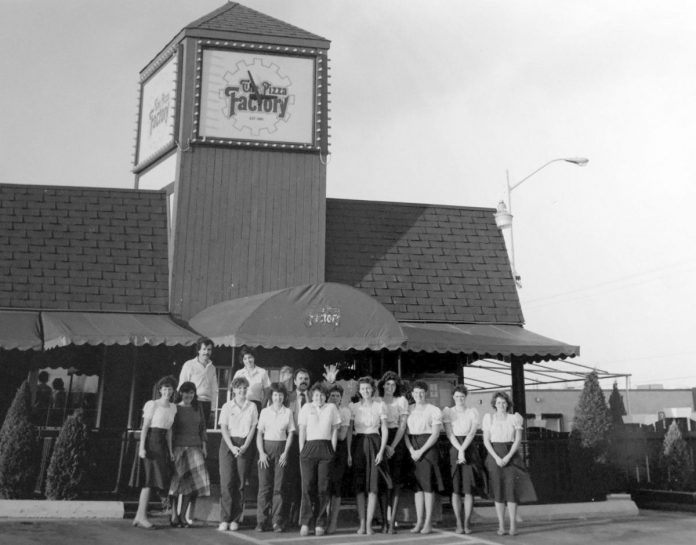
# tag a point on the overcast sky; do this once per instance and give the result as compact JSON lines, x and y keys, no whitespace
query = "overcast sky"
{"x":433,"y":102}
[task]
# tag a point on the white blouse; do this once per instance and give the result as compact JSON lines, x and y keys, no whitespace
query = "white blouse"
{"x":319,"y":422}
{"x":158,"y":416}
{"x":240,"y":421}
{"x":275,"y":425}
{"x":502,"y":430}
{"x":258,"y":380}
{"x":422,"y":420}
{"x":463,"y":422}
{"x":395,"y":410}
{"x":368,"y":418}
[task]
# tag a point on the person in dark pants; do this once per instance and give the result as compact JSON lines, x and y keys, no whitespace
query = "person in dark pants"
{"x":339,"y":463}
{"x":318,"y":422}
{"x":238,"y":418}
{"x":296,"y":400}
{"x":274,"y":437}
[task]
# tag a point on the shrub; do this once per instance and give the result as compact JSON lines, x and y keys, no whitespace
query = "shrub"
{"x":675,"y":460}
{"x":589,"y":442}
{"x":18,"y":448}
{"x":68,"y":467}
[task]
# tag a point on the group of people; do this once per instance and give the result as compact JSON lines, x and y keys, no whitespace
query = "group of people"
{"x":304,"y":439}
{"x":50,"y":402}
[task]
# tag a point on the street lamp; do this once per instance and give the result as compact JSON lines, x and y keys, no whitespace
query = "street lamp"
{"x":503,"y":215}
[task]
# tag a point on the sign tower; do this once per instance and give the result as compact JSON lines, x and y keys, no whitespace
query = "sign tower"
{"x":233,"y":123}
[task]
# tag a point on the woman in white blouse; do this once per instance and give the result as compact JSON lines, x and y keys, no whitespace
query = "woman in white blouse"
{"x":398,"y":459}
{"x":423,"y":425}
{"x":238,"y":418}
{"x":461,"y":423}
{"x":509,"y":479}
{"x":273,"y":440}
{"x":155,"y":448}
{"x":366,"y":451}
{"x":318,"y":422}
{"x":259,"y":381}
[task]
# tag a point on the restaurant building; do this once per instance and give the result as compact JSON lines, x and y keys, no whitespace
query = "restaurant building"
{"x":228,"y":233}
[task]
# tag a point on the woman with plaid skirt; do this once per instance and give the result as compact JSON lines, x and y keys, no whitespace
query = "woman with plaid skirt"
{"x":189,"y":442}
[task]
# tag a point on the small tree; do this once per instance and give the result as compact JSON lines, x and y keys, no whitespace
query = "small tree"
{"x":589,"y":441}
{"x":675,"y":460}
{"x":592,"y":419}
{"x":68,"y":466}
{"x":616,"y":406}
{"x":18,"y":448}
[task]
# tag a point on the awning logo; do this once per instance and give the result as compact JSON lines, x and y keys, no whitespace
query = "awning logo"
{"x":326,"y":315}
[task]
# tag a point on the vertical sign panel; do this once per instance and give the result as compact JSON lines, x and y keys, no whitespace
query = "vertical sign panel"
{"x":157,"y":112}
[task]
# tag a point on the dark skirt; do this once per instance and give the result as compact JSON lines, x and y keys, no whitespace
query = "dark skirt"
{"x":427,"y":471}
{"x":464,"y":475}
{"x":339,"y":464}
{"x":512,"y":482}
{"x":367,"y":476}
{"x":153,"y":471}
{"x":400,"y":464}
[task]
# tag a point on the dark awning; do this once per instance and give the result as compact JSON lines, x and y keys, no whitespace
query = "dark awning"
{"x":65,"y":328}
{"x":20,"y":330}
{"x":485,"y":341}
{"x":328,"y":315}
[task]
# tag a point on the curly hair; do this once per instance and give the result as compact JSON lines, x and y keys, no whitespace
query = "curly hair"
{"x":370,"y":381}
{"x":319,"y":387}
{"x":460,"y":388}
{"x":164,"y":381}
{"x":279,"y":388}
{"x":390,"y":375}
{"x":504,"y":396}
{"x":239,"y":381}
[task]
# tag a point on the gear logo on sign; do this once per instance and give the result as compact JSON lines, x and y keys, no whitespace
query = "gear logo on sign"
{"x":256,"y":98}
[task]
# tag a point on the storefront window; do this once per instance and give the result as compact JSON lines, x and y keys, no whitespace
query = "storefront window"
{"x":63,"y":391}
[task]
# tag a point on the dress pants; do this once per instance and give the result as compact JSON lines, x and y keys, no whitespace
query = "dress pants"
{"x":315,"y":464}
{"x":233,"y":473}
{"x":272,"y":487}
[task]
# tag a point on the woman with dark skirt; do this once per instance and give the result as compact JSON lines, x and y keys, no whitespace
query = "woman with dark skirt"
{"x":189,"y":439}
{"x":509,"y":478}
{"x":318,"y":422}
{"x":339,"y":463}
{"x":390,"y":389}
{"x":423,"y":426}
{"x":155,"y":448}
{"x":238,"y":418}
{"x":461,"y":424}
{"x":366,"y":452}
{"x":274,"y":437}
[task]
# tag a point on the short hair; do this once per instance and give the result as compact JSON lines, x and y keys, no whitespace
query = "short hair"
{"x":280,"y":388}
{"x":43,"y":376}
{"x":504,"y":396}
{"x":286,"y":369}
{"x":203,"y":341}
{"x":421,"y":385}
{"x":186,"y":388}
{"x":460,"y":388}
{"x":246,"y":351}
{"x":390,"y":375}
{"x":239,"y":382}
{"x":370,"y":381}
{"x":318,"y":387}
{"x":58,"y":384}
{"x":298,"y":371}
{"x":336,"y":388}
{"x":161,"y":383}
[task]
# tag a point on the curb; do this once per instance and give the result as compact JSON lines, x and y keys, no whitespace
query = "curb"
{"x":41,"y":509}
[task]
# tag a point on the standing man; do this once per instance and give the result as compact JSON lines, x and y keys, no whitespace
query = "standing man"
{"x":201,"y":371}
{"x":296,"y":399}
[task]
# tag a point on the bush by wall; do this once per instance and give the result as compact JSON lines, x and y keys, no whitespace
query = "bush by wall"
{"x":675,"y":461}
{"x":69,"y":461}
{"x":18,"y":448}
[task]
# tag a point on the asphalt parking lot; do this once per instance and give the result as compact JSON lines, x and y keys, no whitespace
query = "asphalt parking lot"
{"x":649,"y":527}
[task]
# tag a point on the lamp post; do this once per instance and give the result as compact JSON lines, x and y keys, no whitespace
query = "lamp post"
{"x":503,"y":215}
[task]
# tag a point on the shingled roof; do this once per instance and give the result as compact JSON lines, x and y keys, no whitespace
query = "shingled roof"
{"x":78,"y":248}
{"x":423,"y":262}
{"x":234,"y":17}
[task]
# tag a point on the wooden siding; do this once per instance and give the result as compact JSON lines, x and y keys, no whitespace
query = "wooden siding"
{"x":248,"y":221}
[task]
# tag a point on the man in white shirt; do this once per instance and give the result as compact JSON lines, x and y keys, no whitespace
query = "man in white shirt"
{"x":201,"y":371}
